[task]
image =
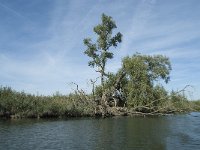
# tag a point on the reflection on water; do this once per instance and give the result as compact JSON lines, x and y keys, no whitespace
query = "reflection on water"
{"x":145,"y":133}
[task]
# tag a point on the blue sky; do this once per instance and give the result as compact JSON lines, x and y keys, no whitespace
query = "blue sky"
{"x":41,"y":41}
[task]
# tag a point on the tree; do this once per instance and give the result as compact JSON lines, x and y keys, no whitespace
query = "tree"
{"x":142,"y":72}
{"x":99,"y":51}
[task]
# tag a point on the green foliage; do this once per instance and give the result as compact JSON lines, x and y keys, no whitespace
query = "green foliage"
{"x":139,"y":85}
{"x":142,"y":71}
{"x":20,"y":104}
{"x":99,"y":52}
{"x":179,"y":101}
{"x":196,"y":105}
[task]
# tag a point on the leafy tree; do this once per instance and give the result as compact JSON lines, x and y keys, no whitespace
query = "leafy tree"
{"x":99,"y":51}
{"x":142,"y":71}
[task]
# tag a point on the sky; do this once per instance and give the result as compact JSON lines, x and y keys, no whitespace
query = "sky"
{"x":41,"y":41}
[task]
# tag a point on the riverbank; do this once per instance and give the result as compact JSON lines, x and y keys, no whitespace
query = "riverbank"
{"x":109,"y":112}
{"x":21,"y":105}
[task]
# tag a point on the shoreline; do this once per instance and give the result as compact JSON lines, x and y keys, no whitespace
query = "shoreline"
{"x":16,"y":105}
{"x":113,"y":112}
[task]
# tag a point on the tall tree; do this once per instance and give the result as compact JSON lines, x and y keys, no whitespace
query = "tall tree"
{"x":100,"y":51}
{"x":142,"y":72}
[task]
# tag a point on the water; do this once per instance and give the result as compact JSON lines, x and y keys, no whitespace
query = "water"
{"x":178,"y":132}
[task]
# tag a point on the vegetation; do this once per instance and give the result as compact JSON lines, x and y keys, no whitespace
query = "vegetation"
{"x":99,"y":52}
{"x":135,"y":89}
{"x":141,"y":73}
{"x":195,"y":105}
{"x":140,"y":86}
{"x":19,"y":105}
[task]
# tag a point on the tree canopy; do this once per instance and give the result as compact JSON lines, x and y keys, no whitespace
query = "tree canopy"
{"x":142,"y":72}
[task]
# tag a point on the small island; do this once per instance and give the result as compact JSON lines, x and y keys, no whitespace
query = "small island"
{"x":135,"y":89}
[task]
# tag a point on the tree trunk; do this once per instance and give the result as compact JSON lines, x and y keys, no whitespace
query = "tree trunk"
{"x":102,"y":80}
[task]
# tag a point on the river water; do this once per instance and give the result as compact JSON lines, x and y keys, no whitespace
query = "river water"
{"x":175,"y":132}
